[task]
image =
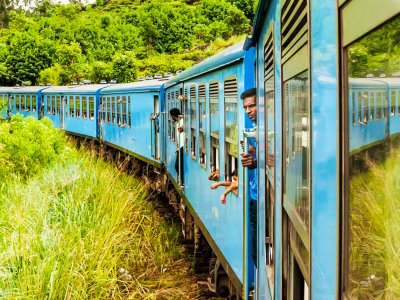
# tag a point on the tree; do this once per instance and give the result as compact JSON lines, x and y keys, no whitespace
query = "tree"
{"x":29,"y":54}
{"x":124,"y":67}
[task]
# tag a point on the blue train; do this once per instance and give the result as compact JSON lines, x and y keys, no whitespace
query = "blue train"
{"x":320,"y":115}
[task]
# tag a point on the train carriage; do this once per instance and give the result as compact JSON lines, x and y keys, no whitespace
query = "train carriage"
{"x":208,"y":97}
{"x":74,"y":108}
{"x":23,"y":100}
{"x":125,"y":111}
{"x":326,"y":117}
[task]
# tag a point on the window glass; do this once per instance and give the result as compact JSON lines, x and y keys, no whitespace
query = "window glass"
{"x":193,"y":120}
{"x":18,"y":102}
{"x":214,"y":125}
{"x":71,"y":105}
{"x":186,"y":116}
{"x":373,"y":201}
{"x":124,"y":110}
{"x":91,"y":107}
{"x":77,"y":106}
{"x":129,"y":112}
{"x":231,"y":127}
{"x":297,"y":146}
{"x":202,"y":124}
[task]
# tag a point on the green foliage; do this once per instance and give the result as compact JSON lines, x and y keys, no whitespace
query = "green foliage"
{"x":29,"y":54}
{"x":374,"y":269}
{"x":124,"y":67}
{"x":63,"y":43}
{"x":82,"y":229}
{"x":28,"y":146}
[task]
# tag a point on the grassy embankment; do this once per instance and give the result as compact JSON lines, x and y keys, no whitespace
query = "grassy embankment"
{"x":74,"y":227}
{"x":374,"y":231}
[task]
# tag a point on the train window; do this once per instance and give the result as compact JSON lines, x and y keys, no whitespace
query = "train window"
{"x":231,"y":126}
{"x":186,"y":116}
{"x":177,"y":105}
{"x":119,"y":109}
{"x":202,"y":125}
{"x":114,"y":110}
{"x":109,"y":109}
{"x":169,"y":115}
{"x":91,"y":107}
{"x":28,"y":102}
{"x":58,"y":105}
{"x":193,"y":121}
{"x":11,"y":101}
{"x":103,"y":106}
{"x":84,"y":107}
{"x":71,"y":106}
{"x":393,"y":102}
{"x":34,"y":104}
{"x":129,"y":112}
{"x":78,"y":106}
{"x":22,"y":97}
{"x":124,"y":110}
{"x":18,"y":102}
{"x":48,"y":103}
{"x":173,"y":125}
{"x":371,"y":163}
{"x":296,"y":143}
{"x":214,"y":125}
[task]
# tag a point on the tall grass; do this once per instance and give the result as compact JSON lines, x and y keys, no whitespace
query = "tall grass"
{"x":81,"y":229}
{"x":374,"y":231}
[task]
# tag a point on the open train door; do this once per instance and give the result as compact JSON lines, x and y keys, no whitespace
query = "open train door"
{"x":155,"y":129}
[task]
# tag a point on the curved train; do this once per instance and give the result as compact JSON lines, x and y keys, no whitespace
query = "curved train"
{"x":316,"y":119}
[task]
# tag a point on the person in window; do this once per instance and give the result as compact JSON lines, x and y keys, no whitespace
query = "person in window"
{"x":249,"y":161}
{"x":232,"y":185}
{"x":180,"y":134}
{"x":155,"y":119}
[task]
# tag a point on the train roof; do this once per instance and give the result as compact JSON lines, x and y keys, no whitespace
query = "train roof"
{"x":21,"y":89}
{"x":75,"y":89}
{"x":226,"y":57}
{"x":140,"y":86}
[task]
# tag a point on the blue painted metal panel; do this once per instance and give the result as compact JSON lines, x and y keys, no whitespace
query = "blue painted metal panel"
{"x":325,"y":155}
{"x":223,"y":222}
{"x":137,"y":138}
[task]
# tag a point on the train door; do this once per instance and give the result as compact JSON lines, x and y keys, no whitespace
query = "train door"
{"x":269,"y":117}
{"x":370,"y":135}
{"x":156,"y":128}
{"x":296,"y":160}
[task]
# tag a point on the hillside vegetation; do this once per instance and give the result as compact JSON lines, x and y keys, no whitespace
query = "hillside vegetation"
{"x":119,"y":40}
{"x":75,"y":227}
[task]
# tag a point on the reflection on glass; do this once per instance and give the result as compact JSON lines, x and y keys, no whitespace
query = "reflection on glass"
{"x":373,"y":261}
{"x":270,"y":128}
{"x":297,"y":146}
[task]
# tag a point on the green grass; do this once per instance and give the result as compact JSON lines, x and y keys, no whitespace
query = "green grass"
{"x":79,"y":228}
{"x":374,"y":231}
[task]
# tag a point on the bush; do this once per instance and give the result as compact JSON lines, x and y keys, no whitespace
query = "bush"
{"x":27,"y":146}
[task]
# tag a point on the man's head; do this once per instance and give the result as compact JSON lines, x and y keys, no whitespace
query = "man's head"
{"x":250,"y":103}
{"x":174,"y":112}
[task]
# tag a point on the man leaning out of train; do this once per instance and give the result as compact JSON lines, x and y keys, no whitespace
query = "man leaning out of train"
{"x":180,"y":133}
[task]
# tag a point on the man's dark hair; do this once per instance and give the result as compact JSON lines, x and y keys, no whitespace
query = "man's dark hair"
{"x":174,"y":112}
{"x":248,"y":93}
